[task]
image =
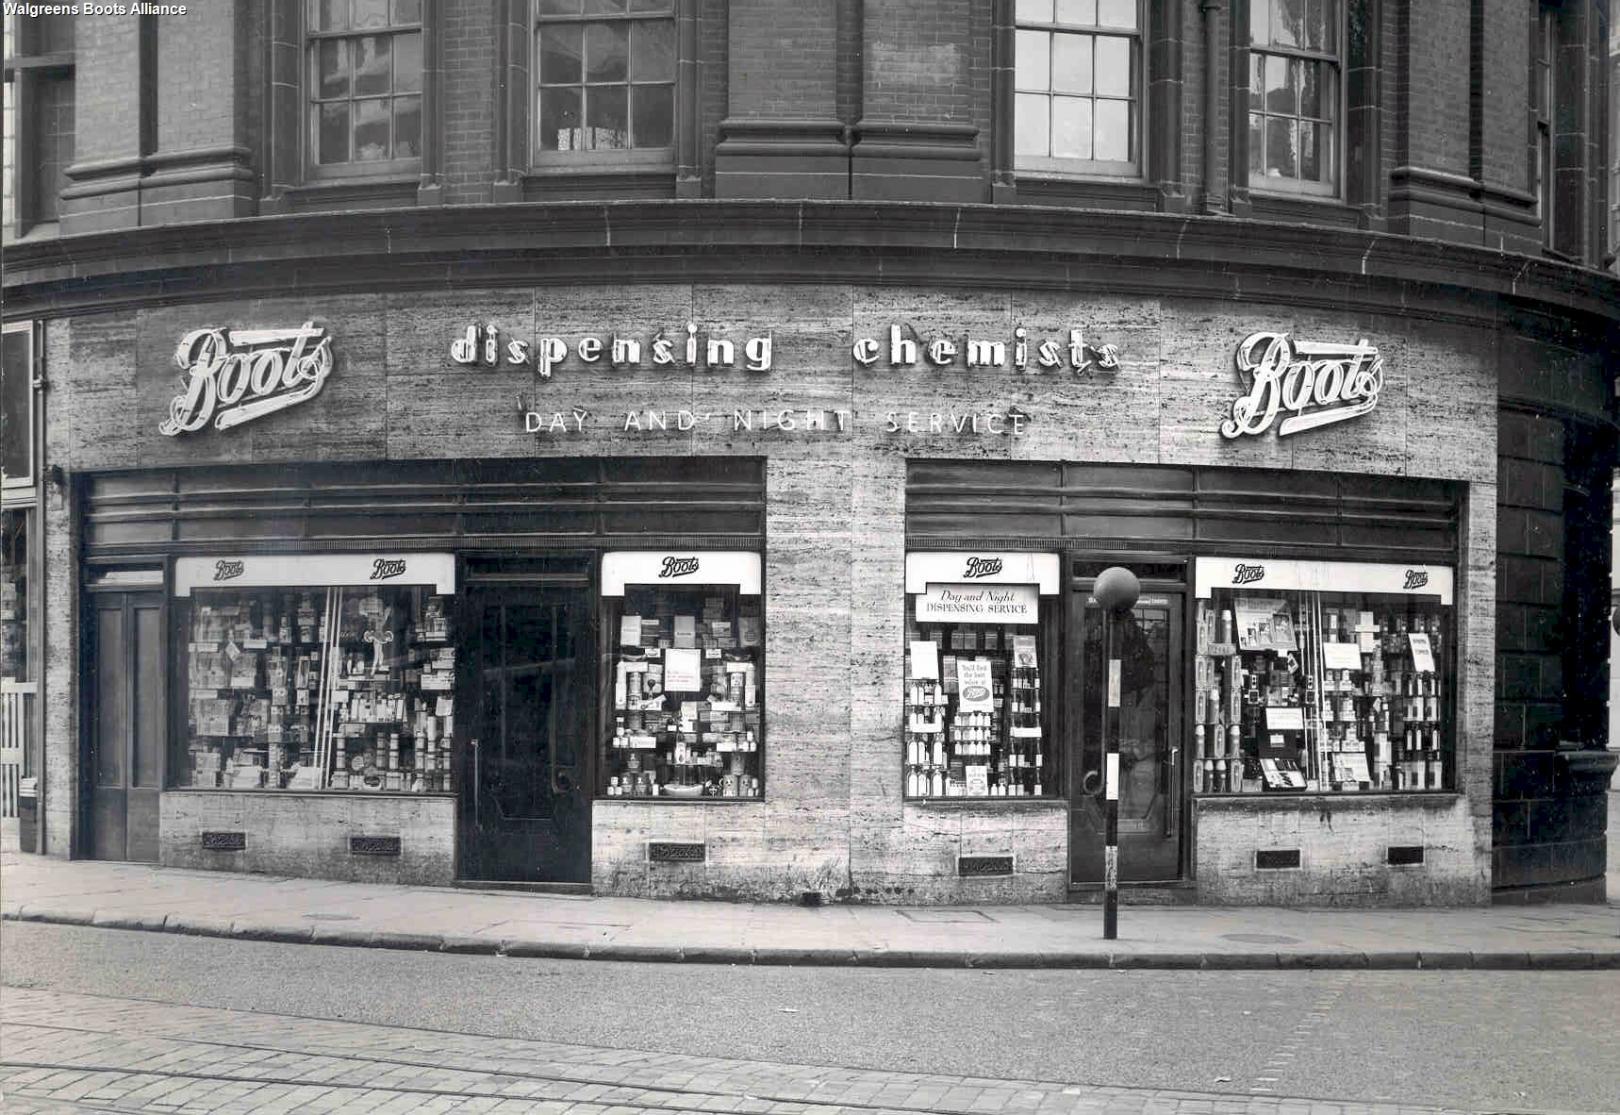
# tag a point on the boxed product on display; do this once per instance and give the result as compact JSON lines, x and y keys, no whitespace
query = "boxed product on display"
{"x":687,"y":683}
{"x":312,"y":689}
{"x":1327,"y":691}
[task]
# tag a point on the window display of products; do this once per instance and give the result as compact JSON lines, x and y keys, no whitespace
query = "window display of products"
{"x":342,"y":688}
{"x":687,"y":681}
{"x":975,"y":709}
{"x":1324,"y":691}
{"x":14,"y":595}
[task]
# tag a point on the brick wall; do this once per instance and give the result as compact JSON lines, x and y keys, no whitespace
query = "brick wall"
{"x":1502,"y":80}
{"x":769,"y":82}
{"x":468,"y":101}
{"x":918,"y":59}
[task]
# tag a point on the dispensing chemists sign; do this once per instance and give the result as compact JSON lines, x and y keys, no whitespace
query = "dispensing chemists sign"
{"x":1309,"y":384}
{"x":980,"y":587}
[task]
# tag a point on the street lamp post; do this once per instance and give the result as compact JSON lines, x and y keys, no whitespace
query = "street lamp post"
{"x":1116,"y":591}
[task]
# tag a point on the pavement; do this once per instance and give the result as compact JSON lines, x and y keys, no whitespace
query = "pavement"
{"x":75,"y":1052}
{"x":313,"y":911}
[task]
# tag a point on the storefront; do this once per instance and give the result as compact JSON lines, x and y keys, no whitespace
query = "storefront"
{"x":795,"y":598}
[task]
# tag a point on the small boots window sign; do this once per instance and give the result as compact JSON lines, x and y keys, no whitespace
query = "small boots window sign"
{"x":233,"y":376}
{"x":1313,"y":383}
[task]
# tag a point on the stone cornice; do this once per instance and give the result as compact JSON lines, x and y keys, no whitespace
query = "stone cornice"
{"x":975,"y":246}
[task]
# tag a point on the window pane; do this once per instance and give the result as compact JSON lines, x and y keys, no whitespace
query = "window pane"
{"x":1257,"y":145}
{"x":408,"y":63}
{"x":370,"y":130}
{"x":1113,"y":131}
{"x":559,"y":120}
{"x":1287,"y":22}
{"x":332,"y":68}
{"x":606,"y":124}
{"x":1281,"y":73}
{"x":1117,"y":13}
{"x":1083,"y":12}
{"x":1032,"y":132}
{"x":371,"y":65}
{"x":559,"y":7}
{"x":1259,"y":22}
{"x":334,"y":138}
{"x":331,"y":15}
{"x":1310,"y":152}
{"x":1071,"y":128}
{"x":650,"y":5}
{"x":1280,"y":145}
{"x":652,"y":51}
{"x":407,"y":127}
{"x":560,"y":54}
{"x":1321,"y":25}
{"x":370,"y":13}
{"x":654,"y":112}
{"x":407,"y":11}
{"x":1311,"y":100}
{"x":606,"y":51}
{"x":1034,"y":61}
{"x":1035,"y":11}
{"x":1071,"y":63}
{"x":1113,"y":65}
{"x":603,"y":7}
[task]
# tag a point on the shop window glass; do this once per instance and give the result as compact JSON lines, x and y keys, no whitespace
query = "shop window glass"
{"x":605,"y":79}
{"x":979,"y":692}
{"x":344,"y":688}
{"x":38,"y":126}
{"x":1294,"y":65}
{"x":364,"y":85}
{"x":687,"y":681}
{"x":1327,"y":691}
{"x":1078,"y":86}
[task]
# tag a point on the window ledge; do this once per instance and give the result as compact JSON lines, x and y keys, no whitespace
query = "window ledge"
{"x":1047,"y":802}
{"x":664,"y":800}
{"x":1303,"y":209}
{"x":1303,"y":799}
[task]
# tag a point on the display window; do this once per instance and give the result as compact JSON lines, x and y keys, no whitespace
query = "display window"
{"x":14,"y":595}
{"x":686,"y":679}
{"x":981,"y":640}
{"x":1323,"y":676}
{"x":339,"y":676}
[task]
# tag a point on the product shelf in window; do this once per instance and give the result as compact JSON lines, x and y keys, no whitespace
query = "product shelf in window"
{"x":316,"y":688}
{"x":686,"y":717}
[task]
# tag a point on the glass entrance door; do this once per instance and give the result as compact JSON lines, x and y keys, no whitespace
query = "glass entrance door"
{"x":526,"y":683}
{"x":1152,"y":781}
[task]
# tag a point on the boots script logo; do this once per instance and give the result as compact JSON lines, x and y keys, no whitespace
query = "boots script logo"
{"x":678,"y":566}
{"x":1315,"y":383}
{"x":1416,"y":578}
{"x":236,"y":375}
{"x":385,"y":568}
{"x":982,"y":567}
{"x":1244,"y":574}
{"x":227,"y":570}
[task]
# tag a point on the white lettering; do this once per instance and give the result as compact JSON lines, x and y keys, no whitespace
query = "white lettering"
{"x":1318,"y":383}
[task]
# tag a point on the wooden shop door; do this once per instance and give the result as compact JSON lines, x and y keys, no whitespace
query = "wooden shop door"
{"x":526,"y":683}
{"x":127,"y":724}
{"x":1152,"y":761}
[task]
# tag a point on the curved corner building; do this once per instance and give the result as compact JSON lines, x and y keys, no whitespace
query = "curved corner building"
{"x":667,"y":446}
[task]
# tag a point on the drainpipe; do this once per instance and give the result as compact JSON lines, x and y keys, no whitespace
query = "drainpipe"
{"x":1212,"y":87}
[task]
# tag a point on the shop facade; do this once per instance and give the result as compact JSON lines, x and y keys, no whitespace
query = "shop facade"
{"x":753,"y":591}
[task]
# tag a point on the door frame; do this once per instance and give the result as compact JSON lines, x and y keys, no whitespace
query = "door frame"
{"x":130,"y":593}
{"x":498,"y":571}
{"x":1077,"y":589}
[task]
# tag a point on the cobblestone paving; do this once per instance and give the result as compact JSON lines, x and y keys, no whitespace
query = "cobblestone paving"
{"x":66,"y":1052}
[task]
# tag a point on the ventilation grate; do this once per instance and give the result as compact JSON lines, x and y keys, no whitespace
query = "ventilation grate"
{"x":224,"y":841}
{"x":1405,"y":855}
{"x":1276,"y":859}
{"x":980,"y":866}
{"x":374,"y":846}
{"x":676,"y":851}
